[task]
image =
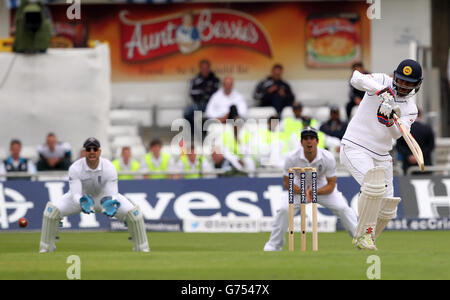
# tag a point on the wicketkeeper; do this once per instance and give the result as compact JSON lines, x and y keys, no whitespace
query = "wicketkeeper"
{"x":368,"y":140}
{"x":92,"y":189}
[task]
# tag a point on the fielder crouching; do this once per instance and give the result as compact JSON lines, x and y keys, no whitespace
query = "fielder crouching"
{"x":92,"y":189}
{"x":309,"y":155}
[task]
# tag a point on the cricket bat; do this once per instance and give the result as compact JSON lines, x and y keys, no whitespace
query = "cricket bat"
{"x":412,"y":143}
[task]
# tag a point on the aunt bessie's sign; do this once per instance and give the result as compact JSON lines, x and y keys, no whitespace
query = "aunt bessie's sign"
{"x":189,"y":31}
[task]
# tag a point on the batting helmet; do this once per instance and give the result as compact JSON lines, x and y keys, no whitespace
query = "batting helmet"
{"x":408,"y":70}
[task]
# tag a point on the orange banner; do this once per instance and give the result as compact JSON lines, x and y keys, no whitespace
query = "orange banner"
{"x":188,"y":32}
{"x":165,"y":42}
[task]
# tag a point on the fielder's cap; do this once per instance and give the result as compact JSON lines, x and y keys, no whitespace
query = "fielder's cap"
{"x":91,"y":142}
{"x":309,"y":131}
{"x":409,"y":70}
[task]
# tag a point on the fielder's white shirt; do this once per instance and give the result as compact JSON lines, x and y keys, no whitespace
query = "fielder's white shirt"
{"x":324,"y":163}
{"x":97,"y":183}
{"x":364,"y":131}
{"x":219,"y":104}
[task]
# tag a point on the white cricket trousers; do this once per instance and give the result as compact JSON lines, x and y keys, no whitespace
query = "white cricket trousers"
{"x":334,"y":201}
{"x":358,"y":163}
{"x":68,"y":207}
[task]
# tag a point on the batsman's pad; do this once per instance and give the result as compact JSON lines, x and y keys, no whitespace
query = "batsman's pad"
{"x":136,"y":227}
{"x":389,"y":208}
{"x":50,"y":223}
{"x":372,"y":192}
{"x":387,"y":212}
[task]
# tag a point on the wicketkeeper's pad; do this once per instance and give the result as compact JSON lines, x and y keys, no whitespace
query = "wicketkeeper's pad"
{"x":136,"y":227}
{"x":50,"y":224}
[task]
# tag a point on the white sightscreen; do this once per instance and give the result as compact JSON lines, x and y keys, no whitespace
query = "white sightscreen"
{"x":65,"y":91}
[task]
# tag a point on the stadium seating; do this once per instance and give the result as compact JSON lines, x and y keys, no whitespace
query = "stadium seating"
{"x":442,"y":152}
{"x":126,"y":140}
{"x":132,"y":102}
{"x":287,"y":112}
{"x":260,"y":112}
{"x":131,"y":117}
{"x":114,"y":131}
{"x":166,"y":115}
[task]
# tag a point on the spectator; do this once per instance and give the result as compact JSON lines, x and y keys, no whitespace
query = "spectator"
{"x":355,"y":94}
{"x":334,"y":126}
{"x":270,"y":145}
{"x":229,"y":168}
{"x":192,"y":162}
{"x":156,"y":160}
{"x":273,"y":91}
{"x":15,"y":163}
{"x":201,"y":88}
{"x":54,"y":155}
{"x":294,"y":125}
{"x":424,"y":136}
{"x":126,"y":164}
{"x":226,"y":103}
{"x":235,"y":143}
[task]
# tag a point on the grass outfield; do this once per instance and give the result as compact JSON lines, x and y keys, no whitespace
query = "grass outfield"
{"x":229,"y":256}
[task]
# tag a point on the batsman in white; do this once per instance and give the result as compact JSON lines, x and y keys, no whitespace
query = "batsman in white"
{"x":93,"y":188}
{"x":368,"y":140}
{"x":309,"y":155}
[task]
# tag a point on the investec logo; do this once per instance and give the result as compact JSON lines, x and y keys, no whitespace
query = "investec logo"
{"x":19,"y":205}
{"x":427,"y":201}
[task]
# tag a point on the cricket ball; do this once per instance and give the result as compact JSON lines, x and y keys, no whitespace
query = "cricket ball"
{"x":23,"y":222}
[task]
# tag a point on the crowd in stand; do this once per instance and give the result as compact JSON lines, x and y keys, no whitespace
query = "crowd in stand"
{"x":237,"y":148}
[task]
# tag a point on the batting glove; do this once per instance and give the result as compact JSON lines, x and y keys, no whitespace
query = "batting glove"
{"x":385,"y":114}
{"x":386,"y":94}
{"x":86,"y":203}
{"x":110,"y":206}
{"x":397,"y":111}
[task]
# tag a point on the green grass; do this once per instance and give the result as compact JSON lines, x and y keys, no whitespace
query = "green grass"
{"x":106,"y":255}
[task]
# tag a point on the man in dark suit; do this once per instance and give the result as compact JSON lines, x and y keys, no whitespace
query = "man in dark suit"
{"x":274,"y":91}
{"x":424,"y":136}
{"x":355,"y":95}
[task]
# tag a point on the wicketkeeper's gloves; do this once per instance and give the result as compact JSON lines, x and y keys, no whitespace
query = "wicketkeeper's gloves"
{"x":110,"y":206}
{"x":87,"y":203}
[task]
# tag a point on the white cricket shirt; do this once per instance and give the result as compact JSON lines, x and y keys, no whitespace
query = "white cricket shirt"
{"x":97,"y":183}
{"x":324,"y":163}
{"x":364,"y":131}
